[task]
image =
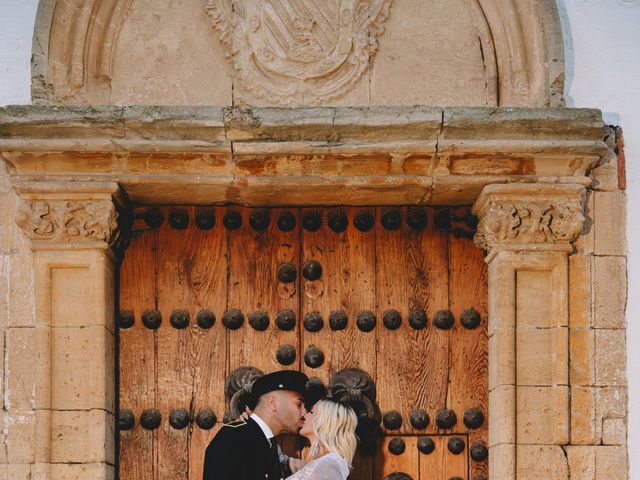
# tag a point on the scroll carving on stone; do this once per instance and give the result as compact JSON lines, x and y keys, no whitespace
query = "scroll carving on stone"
{"x":295,"y":52}
{"x":529,"y":222}
{"x":69,"y":220}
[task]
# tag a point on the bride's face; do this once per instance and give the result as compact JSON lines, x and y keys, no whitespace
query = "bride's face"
{"x":307,"y":427}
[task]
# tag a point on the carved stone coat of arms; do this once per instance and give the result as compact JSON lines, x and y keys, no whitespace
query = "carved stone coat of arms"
{"x":299,"y":52}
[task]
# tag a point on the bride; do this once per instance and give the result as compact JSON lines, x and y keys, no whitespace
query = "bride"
{"x":330,"y":427}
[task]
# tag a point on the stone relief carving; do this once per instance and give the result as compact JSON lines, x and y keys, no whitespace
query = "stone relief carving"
{"x":69,"y":220}
{"x":299,"y":51}
{"x":529,"y":222}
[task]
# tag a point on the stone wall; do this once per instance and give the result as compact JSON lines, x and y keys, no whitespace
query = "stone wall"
{"x":19,"y":353}
{"x":598,"y":297}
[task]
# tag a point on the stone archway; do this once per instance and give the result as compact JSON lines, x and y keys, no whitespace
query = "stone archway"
{"x":530,"y":202}
{"x":521,"y":45}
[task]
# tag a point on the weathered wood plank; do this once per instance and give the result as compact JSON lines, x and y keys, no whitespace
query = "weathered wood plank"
{"x":441,"y":464}
{"x":137,"y":354}
{"x":208,"y":359}
{"x":469,"y":347}
{"x":412,"y":274}
{"x":191,"y":361}
{"x":254,"y":258}
{"x":407,"y":462}
{"x":347,"y":284}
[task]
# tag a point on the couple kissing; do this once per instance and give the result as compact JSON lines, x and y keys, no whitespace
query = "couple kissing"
{"x":246,"y":449}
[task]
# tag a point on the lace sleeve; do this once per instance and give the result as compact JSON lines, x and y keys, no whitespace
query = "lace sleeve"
{"x":321,"y":469}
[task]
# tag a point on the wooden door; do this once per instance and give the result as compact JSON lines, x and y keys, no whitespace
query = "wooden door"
{"x":200,"y":296}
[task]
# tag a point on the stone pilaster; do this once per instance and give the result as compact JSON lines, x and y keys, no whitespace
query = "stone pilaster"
{"x":70,"y":351}
{"x":528,"y":231}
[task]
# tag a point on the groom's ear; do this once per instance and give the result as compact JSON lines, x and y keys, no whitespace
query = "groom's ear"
{"x":272,"y":402}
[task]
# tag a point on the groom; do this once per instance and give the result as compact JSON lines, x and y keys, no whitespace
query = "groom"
{"x":247,"y":450}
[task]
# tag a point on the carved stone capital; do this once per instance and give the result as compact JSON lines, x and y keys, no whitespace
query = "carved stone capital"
{"x":538,"y":217}
{"x":54,"y":218}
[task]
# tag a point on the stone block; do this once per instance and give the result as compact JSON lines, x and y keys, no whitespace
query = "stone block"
{"x":582,"y":345}
{"x":2,"y":371}
{"x":580,"y":301}
{"x":531,"y":287}
{"x":20,"y":369}
{"x":18,"y":471}
{"x":93,"y":429}
{"x":8,"y":227}
{"x":27,"y":369}
{"x":502,"y":428}
{"x":614,"y":431}
{"x":537,"y":462}
{"x":71,"y":293}
{"x":76,"y":288}
{"x":83,"y":368}
{"x":4,"y":293}
{"x":583,"y":416}
{"x":21,"y":290}
{"x":611,"y":357}
{"x":542,"y":356}
{"x":586,"y":242}
{"x":611,"y":463}
{"x":502,"y":361}
{"x":3,"y":437}
{"x":611,"y":402}
{"x":582,"y":462}
{"x":21,"y":434}
{"x":502,"y":461}
{"x":83,"y":471}
{"x":610,"y":222}
{"x":606,"y":176}
{"x":543,"y":415}
{"x":611,"y":405}
{"x":610,"y":292}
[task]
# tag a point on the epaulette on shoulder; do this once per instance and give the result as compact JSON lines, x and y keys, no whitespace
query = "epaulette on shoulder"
{"x":236,"y":423}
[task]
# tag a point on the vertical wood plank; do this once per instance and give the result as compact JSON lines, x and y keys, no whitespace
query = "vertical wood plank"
{"x":347,"y":284}
{"x":412,"y":273}
{"x":191,"y":361}
{"x":137,"y":354}
{"x":407,"y":462}
{"x":172,"y":347}
{"x":254,"y":258}
{"x":469,"y":348}
{"x":441,"y":464}
{"x":208,"y":360}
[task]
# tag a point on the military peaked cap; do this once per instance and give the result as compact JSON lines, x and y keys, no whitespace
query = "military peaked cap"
{"x":282,"y":380}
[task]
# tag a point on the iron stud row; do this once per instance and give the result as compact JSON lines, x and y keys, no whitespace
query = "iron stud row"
{"x":426,"y":445}
{"x":473,"y":418}
{"x":312,"y":221}
{"x":179,"y":418}
{"x":233,"y":319}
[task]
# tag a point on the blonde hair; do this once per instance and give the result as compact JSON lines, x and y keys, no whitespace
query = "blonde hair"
{"x":334,"y":426}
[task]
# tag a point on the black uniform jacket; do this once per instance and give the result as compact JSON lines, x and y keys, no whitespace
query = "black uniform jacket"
{"x":240,"y":451}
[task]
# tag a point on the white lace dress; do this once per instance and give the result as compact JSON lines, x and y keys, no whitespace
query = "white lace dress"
{"x":328,"y":467}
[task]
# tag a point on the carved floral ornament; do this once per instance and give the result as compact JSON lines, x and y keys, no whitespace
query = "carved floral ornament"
{"x":69,"y":220}
{"x":299,"y":51}
{"x":529,"y":222}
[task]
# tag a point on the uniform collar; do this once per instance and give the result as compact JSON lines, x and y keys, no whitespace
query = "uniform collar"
{"x":263,"y":426}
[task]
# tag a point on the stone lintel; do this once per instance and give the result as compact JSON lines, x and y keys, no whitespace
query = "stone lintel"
{"x":529,"y":217}
{"x":390,"y":155}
